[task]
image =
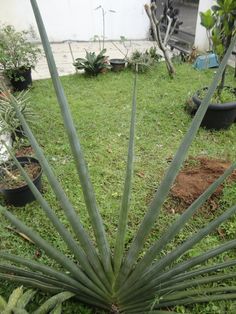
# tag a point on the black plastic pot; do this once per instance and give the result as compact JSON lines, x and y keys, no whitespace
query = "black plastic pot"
{"x":117,"y":64}
{"x":21,"y":196}
{"x":218,"y":116}
{"x":21,"y":79}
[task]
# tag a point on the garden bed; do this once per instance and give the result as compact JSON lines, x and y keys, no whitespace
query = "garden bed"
{"x":101,"y":111}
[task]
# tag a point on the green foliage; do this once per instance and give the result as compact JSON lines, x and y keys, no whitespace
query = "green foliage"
{"x":142,"y":61}
{"x":9,"y":122}
{"x":143,"y":280}
{"x":93,"y":64}
{"x":19,"y":299}
{"x":16,"y":53}
{"x":227,"y":95}
{"x":208,"y":20}
{"x":221,"y":22}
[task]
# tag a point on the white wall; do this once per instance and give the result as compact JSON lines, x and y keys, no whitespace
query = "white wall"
{"x":201,"y":40}
{"x":78,"y":19}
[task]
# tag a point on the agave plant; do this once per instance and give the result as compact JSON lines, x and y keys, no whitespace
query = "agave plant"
{"x":122,"y":282}
{"x":19,"y":299}
{"x":92,"y":64}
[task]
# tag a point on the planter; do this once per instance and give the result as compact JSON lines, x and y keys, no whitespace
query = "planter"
{"x":21,"y":194}
{"x":21,"y":79}
{"x":117,"y":64}
{"x":218,"y":116}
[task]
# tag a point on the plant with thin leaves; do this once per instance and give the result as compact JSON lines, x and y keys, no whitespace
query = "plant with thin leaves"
{"x":20,"y":299}
{"x":122,"y":282}
{"x":9,"y":122}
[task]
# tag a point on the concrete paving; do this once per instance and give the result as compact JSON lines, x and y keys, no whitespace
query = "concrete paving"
{"x":66,"y":51}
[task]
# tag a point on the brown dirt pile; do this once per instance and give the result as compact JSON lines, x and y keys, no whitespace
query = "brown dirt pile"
{"x":196,"y":176}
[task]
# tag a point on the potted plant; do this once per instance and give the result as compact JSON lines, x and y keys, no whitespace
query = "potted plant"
{"x":12,"y":184}
{"x":221,"y":26}
{"x":93,"y":64}
{"x":17,"y":57}
{"x":118,"y":64}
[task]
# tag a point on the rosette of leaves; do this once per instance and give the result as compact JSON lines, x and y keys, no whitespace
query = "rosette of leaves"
{"x":93,"y":64}
{"x":19,"y":300}
{"x":16,"y":52}
{"x":118,"y":281}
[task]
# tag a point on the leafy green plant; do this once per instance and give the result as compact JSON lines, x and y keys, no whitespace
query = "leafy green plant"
{"x":93,"y":64}
{"x":9,"y":122}
{"x":220,"y":23}
{"x":122,"y":282}
{"x":140,"y":61}
{"x":19,"y":299}
{"x":16,"y":52}
{"x":225,"y":96}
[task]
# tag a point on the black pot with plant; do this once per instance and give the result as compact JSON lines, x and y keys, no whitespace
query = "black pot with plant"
{"x":93,"y":64}
{"x":17,"y":56}
{"x":12,"y":185}
{"x":220,"y":25}
{"x":221,"y":113}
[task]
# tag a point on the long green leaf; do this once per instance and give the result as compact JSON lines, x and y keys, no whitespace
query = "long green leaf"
{"x":122,"y":225}
{"x":88,"y":299}
{"x":13,"y":270}
{"x":65,"y":234}
{"x":201,"y":299}
{"x":88,"y":192}
{"x":163,"y":190}
{"x":72,"y":216}
{"x":37,"y":267}
{"x":153,"y":286}
{"x":197,"y":282}
{"x":174,"y":229}
{"x":199,"y":272}
{"x":85,"y":282}
{"x":188,"y":244}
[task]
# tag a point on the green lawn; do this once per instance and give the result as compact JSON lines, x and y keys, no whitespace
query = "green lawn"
{"x":101,"y":110}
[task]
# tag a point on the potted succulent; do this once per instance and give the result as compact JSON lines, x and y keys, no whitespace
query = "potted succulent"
{"x":17,"y":57}
{"x":220,"y":23}
{"x":93,"y":64}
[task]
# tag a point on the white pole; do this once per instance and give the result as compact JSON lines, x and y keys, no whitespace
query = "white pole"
{"x":201,"y":40}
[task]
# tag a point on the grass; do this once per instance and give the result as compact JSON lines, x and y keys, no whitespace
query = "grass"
{"x":101,"y":110}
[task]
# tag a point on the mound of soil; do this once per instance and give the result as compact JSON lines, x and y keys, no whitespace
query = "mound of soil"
{"x":197,"y":174}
